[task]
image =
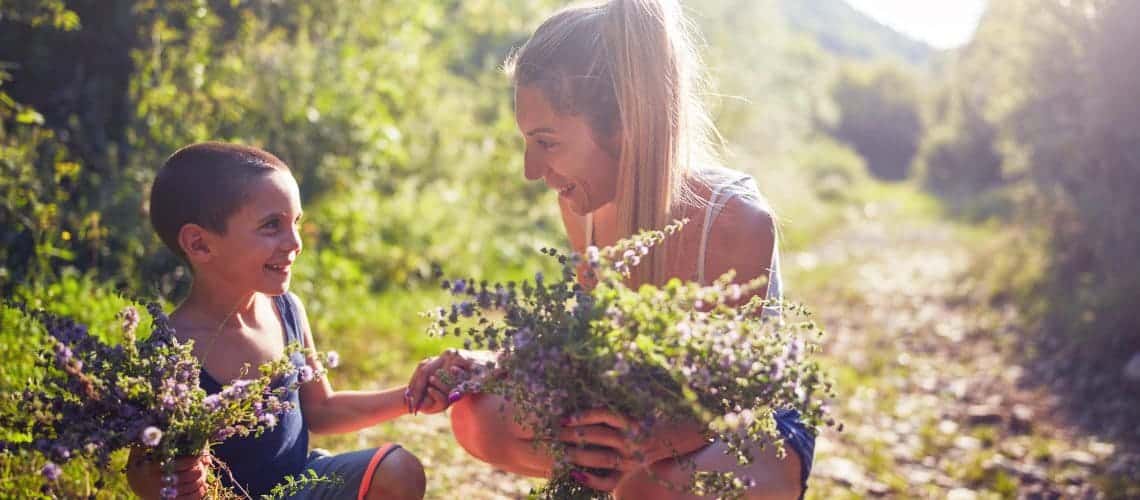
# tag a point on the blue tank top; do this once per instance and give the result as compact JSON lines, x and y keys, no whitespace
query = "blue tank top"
{"x":258,"y":464}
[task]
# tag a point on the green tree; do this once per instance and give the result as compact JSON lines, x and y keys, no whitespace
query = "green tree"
{"x":879,"y":116}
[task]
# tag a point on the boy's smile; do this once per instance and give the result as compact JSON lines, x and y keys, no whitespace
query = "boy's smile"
{"x":261,"y":240}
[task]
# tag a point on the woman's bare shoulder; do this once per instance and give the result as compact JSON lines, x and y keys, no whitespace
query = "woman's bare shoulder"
{"x":743,"y":238}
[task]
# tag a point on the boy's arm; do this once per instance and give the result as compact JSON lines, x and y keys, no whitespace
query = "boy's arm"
{"x":330,"y":412}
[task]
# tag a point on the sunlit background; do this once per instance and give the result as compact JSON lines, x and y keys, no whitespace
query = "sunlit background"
{"x":943,"y":25}
{"x":956,"y":184}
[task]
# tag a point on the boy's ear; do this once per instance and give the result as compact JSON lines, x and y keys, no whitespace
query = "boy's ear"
{"x":195,"y":242}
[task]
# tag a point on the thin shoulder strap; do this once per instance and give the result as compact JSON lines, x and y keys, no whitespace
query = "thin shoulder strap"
{"x":716,"y":204}
{"x":589,"y":229}
{"x":289,"y":314}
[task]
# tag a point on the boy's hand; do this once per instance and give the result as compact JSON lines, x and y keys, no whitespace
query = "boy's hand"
{"x":429,"y":391}
{"x":188,"y":480}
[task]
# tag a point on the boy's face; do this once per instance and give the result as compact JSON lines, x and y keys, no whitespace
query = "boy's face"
{"x":261,"y":240}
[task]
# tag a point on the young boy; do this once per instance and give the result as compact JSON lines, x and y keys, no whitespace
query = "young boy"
{"x":231,"y":213}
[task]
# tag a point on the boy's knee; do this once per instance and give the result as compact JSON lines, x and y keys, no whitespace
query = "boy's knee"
{"x":399,"y":476}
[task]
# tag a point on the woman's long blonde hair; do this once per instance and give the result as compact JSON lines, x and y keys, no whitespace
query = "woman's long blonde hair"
{"x":629,"y":67}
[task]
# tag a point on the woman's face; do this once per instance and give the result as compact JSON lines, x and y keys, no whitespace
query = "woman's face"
{"x":563,"y":151}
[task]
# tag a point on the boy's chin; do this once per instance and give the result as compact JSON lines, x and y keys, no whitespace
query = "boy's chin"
{"x":278,"y":288}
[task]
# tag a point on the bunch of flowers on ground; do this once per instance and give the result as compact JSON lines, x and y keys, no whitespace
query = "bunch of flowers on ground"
{"x":96,"y":398}
{"x":680,"y":351}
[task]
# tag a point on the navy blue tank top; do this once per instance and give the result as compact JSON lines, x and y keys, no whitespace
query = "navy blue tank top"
{"x":258,"y":464}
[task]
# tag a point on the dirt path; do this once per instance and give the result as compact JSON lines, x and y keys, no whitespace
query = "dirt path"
{"x":933,"y":405}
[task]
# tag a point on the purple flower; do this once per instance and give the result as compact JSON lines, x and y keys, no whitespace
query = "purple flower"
{"x":130,"y":317}
{"x":269,"y":419}
{"x":168,"y":492}
{"x":212,"y":402}
{"x":305,"y":374}
{"x":458,"y":287}
{"x":467,"y":309}
{"x":51,"y":471}
{"x":333,"y":359}
{"x":61,"y":452}
{"x":62,"y":354}
{"x":151,"y":436}
{"x":224,"y":433}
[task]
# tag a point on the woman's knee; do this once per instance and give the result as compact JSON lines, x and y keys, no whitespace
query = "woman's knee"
{"x":399,"y":476}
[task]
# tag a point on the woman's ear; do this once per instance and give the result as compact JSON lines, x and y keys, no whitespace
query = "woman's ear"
{"x":195,"y":242}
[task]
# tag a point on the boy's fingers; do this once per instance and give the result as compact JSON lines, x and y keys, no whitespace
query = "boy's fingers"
{"x":191,"y":476}
{"x":195,"y":494}
{"x":418,"y":388}
{"x":186,"y":463}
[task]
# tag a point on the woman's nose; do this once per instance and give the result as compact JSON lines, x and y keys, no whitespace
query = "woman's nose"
{"x":532,"y":168}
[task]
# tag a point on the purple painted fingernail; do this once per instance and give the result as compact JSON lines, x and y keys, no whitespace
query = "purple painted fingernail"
{"x":578,"y":476}
{"x":453,"y":397}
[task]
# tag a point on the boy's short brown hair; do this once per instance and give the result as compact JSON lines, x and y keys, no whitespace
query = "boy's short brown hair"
{"x":205,"y":184}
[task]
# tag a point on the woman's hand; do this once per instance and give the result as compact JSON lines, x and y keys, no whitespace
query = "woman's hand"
{"x":601,"y":439}
{"x":146,"y":477}
{"x":429,"y":391}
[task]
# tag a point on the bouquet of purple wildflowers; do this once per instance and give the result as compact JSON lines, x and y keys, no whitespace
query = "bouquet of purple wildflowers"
{"x":674,"y":352}
{"x":97,"y":398}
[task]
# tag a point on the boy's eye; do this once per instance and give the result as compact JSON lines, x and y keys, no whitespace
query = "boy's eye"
{"x":545,"y":144}
{"x":273,"y":224}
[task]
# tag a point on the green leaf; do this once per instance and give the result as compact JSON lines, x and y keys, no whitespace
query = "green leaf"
{"x":30,"y":117}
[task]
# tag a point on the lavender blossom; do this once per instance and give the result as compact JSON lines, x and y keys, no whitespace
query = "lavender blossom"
{"x":51,"y":471}
{"x":305,"y":374}
{"x":151,"y":436}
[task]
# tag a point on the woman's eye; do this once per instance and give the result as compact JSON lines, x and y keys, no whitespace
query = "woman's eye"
{"x":546,"y":144}
{"x":271,"y":225}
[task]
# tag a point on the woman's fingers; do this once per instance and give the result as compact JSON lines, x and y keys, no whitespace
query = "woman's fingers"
{"x":594,"y":481}
{"x":597,"y":458}
{"x":599,"y":416}
{"x":597,"y":435}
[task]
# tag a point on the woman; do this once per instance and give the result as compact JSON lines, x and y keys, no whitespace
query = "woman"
{"x":605,"y":98}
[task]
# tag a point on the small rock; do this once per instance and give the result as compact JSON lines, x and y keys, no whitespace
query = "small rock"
{"x":961,"y":494}
{"x":1021,"y":419}
{"x":1078,"y":457}
{"x":1132,"y":368}
{"x":876,"y":488}
{"x":1013,"y":450}
{"x":967,"y":443}
{"x":948,"y":427}
{"x":983,"y":415}
{"x":918,"y":476}
{"x":1102,"y":449}
{"x":842,"y":470}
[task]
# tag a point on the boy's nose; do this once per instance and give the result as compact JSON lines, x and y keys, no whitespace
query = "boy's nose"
{"x":293,"y":244}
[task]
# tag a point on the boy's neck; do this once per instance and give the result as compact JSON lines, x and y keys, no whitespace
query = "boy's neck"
{"x":219,"y":304}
